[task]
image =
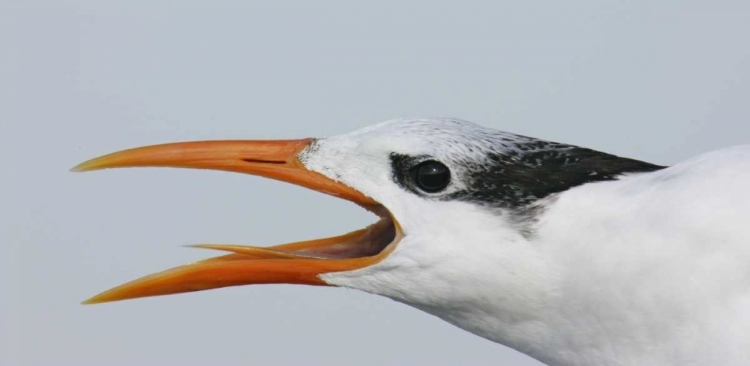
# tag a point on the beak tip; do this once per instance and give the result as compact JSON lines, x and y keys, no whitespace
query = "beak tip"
{"x":90,"y":301}
{"x":101,"y":298}
{"x":83,"y":167}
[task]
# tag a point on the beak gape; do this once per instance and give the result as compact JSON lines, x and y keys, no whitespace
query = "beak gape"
{"x":294,"y":263}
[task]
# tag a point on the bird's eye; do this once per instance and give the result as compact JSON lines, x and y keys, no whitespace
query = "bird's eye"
{"x":432,"y":176}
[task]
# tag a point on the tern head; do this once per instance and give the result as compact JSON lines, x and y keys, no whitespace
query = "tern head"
{"x":457,"y":203}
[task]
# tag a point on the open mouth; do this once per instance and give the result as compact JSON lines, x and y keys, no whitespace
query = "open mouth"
{"x":294,"y":263}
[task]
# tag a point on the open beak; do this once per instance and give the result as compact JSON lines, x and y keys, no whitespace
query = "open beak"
{"x":294,"y":263}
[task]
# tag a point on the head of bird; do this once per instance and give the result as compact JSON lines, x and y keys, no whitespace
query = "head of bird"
{"x":459,"y":205}
{"x":459,"y":228}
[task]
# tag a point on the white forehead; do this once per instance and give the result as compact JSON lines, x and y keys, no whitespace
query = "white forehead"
{"x":362,"y":158}
{"x":444,"y":138}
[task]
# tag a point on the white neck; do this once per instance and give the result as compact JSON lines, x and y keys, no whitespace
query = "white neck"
{"x":584,"y":288}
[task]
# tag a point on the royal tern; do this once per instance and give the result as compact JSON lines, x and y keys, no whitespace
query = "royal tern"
{"x":570,"y":255}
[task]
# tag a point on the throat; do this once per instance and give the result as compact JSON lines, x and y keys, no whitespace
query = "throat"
{"x":479,"y":273}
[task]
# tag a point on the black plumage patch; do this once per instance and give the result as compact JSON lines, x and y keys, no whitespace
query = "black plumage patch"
{"x":512,"y":180}
{"x":516,"y":177}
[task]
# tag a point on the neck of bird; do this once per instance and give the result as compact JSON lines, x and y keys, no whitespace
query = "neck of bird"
{"x":541,"y":287}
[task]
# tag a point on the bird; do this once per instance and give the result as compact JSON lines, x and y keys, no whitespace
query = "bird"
{"x":567,"y":254}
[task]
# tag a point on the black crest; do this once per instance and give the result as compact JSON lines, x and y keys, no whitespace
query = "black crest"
{"x":532,"y":169}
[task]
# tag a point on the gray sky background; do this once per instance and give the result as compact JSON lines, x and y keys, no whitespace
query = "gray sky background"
{"x":660,"y":81}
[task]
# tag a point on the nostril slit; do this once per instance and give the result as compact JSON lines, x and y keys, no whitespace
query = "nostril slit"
{"x":262,"y":161}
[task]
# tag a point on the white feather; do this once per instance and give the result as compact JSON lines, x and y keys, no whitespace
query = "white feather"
{"x":649,"y":269}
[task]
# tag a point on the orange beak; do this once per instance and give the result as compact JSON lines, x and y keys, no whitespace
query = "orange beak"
{"x":295,"y":263}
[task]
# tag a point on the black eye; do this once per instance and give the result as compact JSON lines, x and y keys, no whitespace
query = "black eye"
{"x":432,"y":176}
